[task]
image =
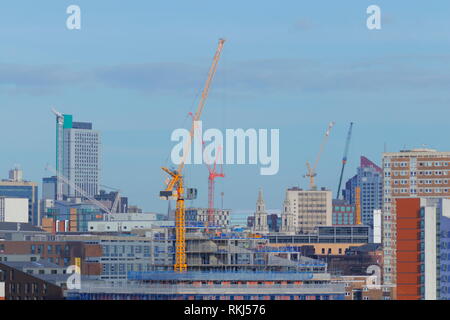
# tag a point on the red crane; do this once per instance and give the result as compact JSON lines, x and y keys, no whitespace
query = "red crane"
{"x":213,"y":174}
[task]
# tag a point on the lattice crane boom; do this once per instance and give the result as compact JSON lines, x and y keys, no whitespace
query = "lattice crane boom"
{"x":311,"y":171}
{"x":344,"y":158}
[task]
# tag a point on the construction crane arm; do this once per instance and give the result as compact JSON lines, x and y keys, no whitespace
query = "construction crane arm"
{"x":344,"y":158}
{"x":322,"y":146}
{"x":176,"y":176}
{"x":201,"y":104}
{"x":311,"y":171}
{"x":79,"y":190}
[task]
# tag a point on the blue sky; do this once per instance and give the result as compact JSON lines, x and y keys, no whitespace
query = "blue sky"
{"x":135,"y":70}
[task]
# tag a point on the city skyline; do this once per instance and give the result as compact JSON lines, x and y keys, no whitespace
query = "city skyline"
{"x":224,"y":151}
{"x":312,"y":64}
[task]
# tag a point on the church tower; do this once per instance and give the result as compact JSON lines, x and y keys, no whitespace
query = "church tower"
{"x":260,"y":224}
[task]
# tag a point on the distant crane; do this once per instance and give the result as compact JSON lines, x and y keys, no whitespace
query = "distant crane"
{"x":78,"y":189}
{"x":213,"y":174}
{"x":311,"y":171}
{"x":175,"y":185}
{"x":115,"y":204}
{"x":344,"y":159}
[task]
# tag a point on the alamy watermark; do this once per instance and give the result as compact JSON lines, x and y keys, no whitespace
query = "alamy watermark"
{"x":74,"y":280}
{"x":240,"y":147}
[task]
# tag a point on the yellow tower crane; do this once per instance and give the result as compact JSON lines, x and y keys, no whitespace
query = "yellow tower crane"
{"x":175,"y":186}
{"x":311,"y":171}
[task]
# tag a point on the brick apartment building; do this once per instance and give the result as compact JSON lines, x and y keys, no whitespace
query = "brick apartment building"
{"x":62,"y":253}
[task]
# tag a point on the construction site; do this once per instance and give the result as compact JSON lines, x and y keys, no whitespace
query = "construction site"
{"x":196,"y":253}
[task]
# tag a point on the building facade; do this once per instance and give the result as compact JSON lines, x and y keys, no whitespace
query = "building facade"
{"x":305,"y":210}
{"x":19,"y":188}
{"x":13,"y":210}
{"x":369,"y":178}
{"x":49,"y":185}
{"x":80,"y":157}
{"x":65,"y":216}
{"x":409,"y":174}
{"x":343,"y":213}
{"x":199,"y":216}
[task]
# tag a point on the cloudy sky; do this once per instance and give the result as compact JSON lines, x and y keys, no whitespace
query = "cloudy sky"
{"x":135,"y":70}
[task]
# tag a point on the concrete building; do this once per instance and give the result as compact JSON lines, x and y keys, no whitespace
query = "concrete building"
{"x":13,"y":210}
{"x":260,"y":221}
{"x":369,"y":178}
{"x":19,"y":188}
{"x":216,"y":286}
{"x":305,"y":210}
{"x":129,"y":222}
{"x":70,"y":216}
{"x":343,"y":213}
{"x":199,"y":216}
{"x":333,"y":234}
{"x":406,"y":174}
{"x":78,"y":153}
{"x":14,"y":231}
{"x":19,"y":281}
{"x":49,"y":186}
{"x":362,"y":287}
{"x":61,"y":253}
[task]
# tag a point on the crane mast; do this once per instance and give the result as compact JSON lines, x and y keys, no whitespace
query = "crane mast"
{"x":311,"y":171}
{"x":175,"y":186}
{"x":213,"y":174}
{"x":344,"y":158}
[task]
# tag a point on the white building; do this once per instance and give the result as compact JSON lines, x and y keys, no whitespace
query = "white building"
{"x":126,"y":222}
{"x":307,"y":210}
{"x":81,"y":157}
{"x":13,"y":210}
{"x":377,"y":226}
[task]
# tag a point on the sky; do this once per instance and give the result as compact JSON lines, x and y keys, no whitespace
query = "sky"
{"x":135,"y":70}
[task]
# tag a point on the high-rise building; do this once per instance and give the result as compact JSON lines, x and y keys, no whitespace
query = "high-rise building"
{"x":78,"y":157}
{"x":260,"y":223}
{"x":306,"y":210}
{"x":409,"y":174}
{"x":369,"y":178}
{"x":422,"y":229}
{"x":16,"y":187}
{"x":49,"y":186}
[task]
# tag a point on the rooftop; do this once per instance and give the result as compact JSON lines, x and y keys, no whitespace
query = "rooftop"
{"x":15,"y":226}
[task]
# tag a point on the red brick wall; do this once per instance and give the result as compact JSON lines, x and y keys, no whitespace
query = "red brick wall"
{"x":408,"y":248}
